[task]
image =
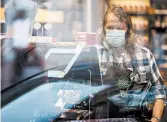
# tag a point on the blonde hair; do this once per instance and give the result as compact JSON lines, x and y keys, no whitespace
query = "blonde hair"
{"x":131,"y":37}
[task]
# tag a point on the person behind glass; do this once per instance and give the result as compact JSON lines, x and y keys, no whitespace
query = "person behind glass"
{"x":123,"y":54}
{"x":19,"y":18}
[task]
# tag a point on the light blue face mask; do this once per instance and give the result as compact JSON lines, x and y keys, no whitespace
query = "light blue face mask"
{"x":115,"y":38}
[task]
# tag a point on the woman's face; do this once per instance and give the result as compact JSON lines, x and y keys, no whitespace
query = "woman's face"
{"x":113,"y":22}
{"x":115,"y":31}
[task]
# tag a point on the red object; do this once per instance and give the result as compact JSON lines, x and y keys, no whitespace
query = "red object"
{"x":90,"y":38}
{"x":53,"y":40}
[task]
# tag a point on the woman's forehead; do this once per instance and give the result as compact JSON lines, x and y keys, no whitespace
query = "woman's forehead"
{"x":111,"y":17}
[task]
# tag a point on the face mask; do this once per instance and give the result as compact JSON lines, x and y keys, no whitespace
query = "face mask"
{"x":115,"y":38}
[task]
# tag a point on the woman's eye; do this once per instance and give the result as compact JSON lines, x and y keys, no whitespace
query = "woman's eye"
{"x":119,"y":28}
{"x":109,"y":27}
{"x":112,"y":28}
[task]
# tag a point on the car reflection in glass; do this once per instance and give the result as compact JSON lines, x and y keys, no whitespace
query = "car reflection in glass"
{"x":40,"y":98}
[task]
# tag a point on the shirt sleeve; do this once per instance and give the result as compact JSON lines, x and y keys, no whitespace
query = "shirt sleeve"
{"x":157,"y":81}
{"x":10,"y":12}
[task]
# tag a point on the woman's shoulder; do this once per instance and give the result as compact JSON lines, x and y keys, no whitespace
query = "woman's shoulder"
{"x":142,"y":50}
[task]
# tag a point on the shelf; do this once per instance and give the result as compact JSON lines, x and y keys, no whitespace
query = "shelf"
{"x":150,"y":11}
{"x":141,"y":31}
{"x":137,"y":14}
{"x":161,"y":12}
{"x":146,"y":14}
{"x":160,"y":29}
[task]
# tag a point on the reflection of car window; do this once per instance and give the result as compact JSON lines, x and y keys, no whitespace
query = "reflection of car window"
{"x":58,"y":60}
{"x":37,"y":81}
{"x":46,"y":95}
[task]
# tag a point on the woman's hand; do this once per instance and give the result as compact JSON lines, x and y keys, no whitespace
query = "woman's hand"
{"x":154,"y":120}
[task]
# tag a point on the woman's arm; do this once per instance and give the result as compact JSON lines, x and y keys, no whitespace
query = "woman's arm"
{"x":159,"y":92}
{"x":157,"y":110}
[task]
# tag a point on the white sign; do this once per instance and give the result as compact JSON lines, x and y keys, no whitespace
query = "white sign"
{"x":76,"y":52}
